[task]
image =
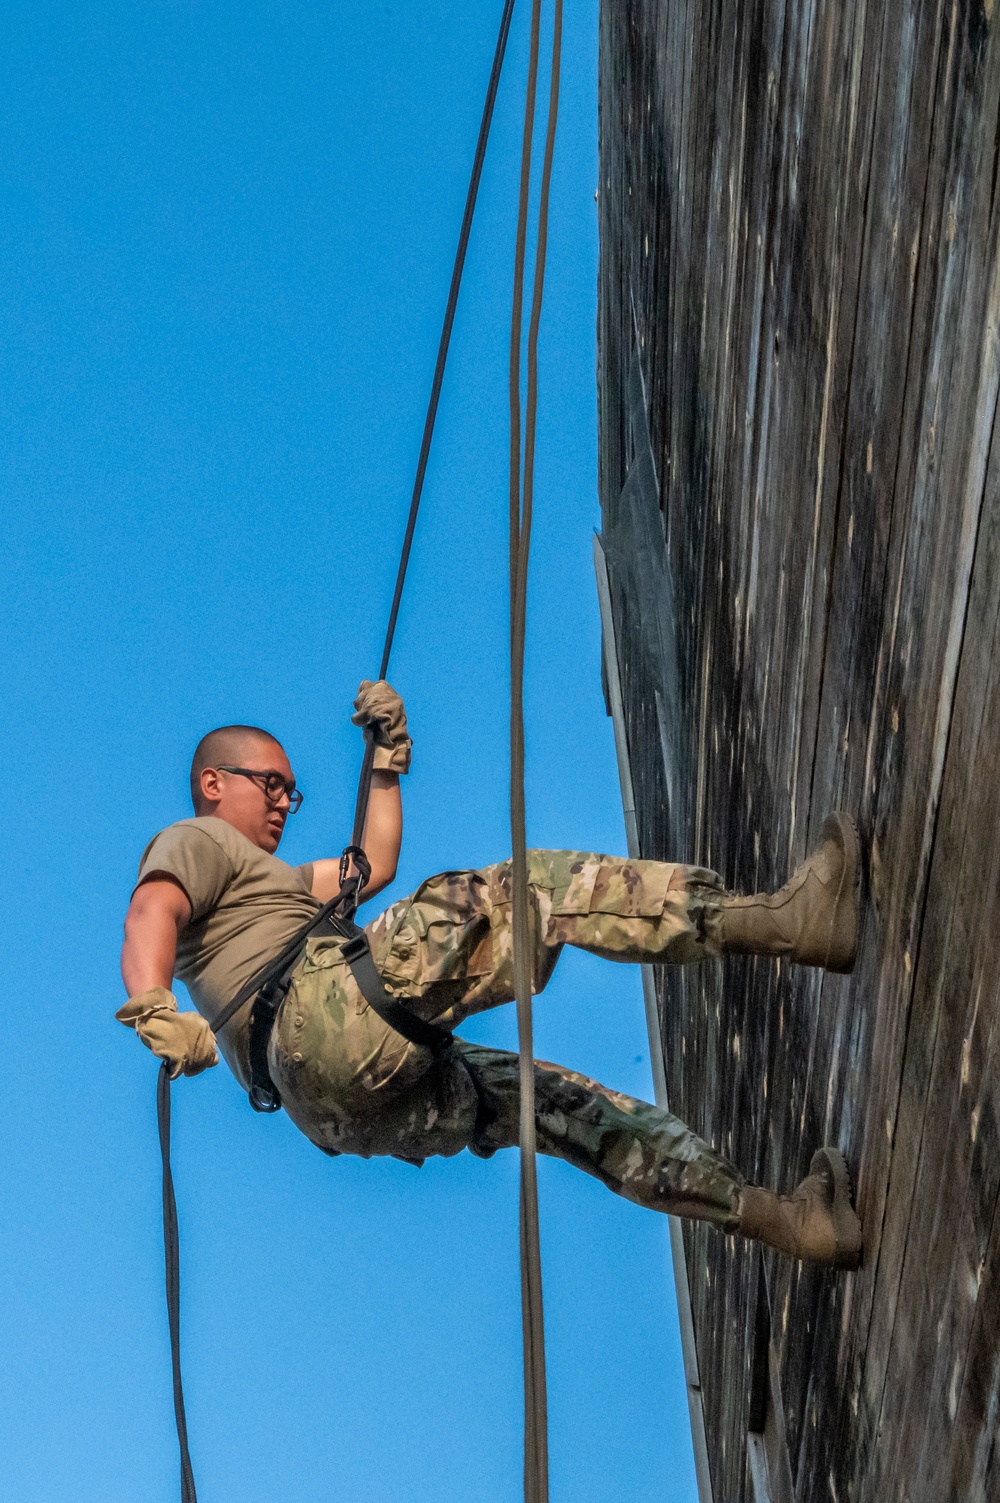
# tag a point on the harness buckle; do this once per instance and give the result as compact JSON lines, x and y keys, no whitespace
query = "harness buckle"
{"x":263,"y":1093}
{"x":264,"y":1098}
{"x":353,"y":948}
{"x":364,"y":867}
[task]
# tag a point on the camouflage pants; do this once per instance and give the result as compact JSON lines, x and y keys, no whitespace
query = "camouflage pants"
{"x":353,"y":1085}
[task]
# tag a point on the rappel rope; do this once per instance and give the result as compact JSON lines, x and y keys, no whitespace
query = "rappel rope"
{"x":365,"y":781}
{"x":536,"y":1448}
{"x":521,"y":498}
{"x":172,"y":1267}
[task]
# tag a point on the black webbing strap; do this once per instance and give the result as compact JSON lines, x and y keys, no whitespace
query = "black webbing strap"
{"x":263,"y":1093}
{"x":357,"y":953}
{"x":282,"y":963}
{"x":172,"y":1261}
{"x":364,"y":782}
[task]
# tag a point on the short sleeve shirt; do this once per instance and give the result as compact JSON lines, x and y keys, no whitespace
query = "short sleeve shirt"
{"x":245,"y":905}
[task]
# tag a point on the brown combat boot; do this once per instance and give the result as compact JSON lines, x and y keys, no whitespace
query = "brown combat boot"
{"x":816,"y":1223}
{"x":813,"y":920}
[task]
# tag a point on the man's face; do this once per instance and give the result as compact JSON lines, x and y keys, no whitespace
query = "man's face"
{"x":242,"y":801}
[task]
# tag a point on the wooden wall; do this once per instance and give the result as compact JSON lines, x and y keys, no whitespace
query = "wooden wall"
{"x":799,"y":221}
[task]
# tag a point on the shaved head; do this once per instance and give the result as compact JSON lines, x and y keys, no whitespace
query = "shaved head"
{"x":230,"y":743}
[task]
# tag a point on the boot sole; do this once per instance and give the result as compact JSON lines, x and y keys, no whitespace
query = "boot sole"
{"x":842,"y":829}
{"x":830,"y":1163}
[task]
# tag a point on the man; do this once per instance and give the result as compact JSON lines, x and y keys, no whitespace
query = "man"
{"x":213,"y":904}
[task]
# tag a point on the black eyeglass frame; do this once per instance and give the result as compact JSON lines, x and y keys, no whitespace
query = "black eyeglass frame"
{"x":289,"y":790}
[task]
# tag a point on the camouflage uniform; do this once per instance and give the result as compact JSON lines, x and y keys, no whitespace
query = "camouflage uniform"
{"x":353,"y":1085}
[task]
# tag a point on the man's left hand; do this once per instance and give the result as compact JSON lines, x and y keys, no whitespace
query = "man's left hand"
{"x":380,"y":709}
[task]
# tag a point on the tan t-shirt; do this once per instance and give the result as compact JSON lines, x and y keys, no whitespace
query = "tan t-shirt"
{"x":245,"y":906}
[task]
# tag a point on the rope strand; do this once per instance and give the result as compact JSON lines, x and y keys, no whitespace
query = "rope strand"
{"x":172,"y":1268}
{"x":536,"y":1463}
{"x":365,"y":780}
{"x":171,"y":1246}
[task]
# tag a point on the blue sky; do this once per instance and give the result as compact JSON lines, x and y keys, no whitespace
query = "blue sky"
{"x":225,"y":242}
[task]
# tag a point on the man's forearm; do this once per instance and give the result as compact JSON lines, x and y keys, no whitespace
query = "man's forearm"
{"x":184,"y":1041}
{"x":383,"y":829}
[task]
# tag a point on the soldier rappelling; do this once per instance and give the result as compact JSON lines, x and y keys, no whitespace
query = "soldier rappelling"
{"x":214,"y":904}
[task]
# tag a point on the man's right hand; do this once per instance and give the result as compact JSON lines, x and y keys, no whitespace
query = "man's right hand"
{"x":183,"y":1039}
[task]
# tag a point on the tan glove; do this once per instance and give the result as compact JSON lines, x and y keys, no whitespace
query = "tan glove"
{"x":183,"y":1039}
{"x":380,"y":709}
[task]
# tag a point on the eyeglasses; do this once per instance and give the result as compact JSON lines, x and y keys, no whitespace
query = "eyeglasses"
{"x":271,"y":784}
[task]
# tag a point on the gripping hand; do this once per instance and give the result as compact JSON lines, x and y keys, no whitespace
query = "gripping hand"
{"x":379,"y":708}
{"x":183,"y":1039}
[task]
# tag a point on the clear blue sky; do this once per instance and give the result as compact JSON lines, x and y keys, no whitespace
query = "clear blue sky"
{"x":225,"y":240}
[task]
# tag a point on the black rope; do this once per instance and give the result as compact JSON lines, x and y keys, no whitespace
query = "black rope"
{"x":536,"y":1451}
{"x":170,"y":1234}
{"x":365,"y":781}
{"x":172,"y":1260}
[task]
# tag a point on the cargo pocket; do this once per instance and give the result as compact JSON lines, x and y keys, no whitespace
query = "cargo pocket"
{"x":438,"y":937}
{"x":632,"y":889}
{"x":562,"y":880}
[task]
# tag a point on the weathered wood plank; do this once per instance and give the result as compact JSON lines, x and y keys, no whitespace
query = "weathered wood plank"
{"x":799,"y":231}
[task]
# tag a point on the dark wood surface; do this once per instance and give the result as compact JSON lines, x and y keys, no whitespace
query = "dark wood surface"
{"x":799,"y":234}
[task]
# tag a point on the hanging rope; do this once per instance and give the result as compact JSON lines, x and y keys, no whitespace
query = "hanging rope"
{"x":536,"y":1458}
{"x":536,"y":1489}
{"x":172,"y":1262}
{"x":365,"y":782}
{"x":171,"y":1244}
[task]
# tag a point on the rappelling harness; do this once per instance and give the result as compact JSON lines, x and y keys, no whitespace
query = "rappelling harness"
{"x":269,"y":986}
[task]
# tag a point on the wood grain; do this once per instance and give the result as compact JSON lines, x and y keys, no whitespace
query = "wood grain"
{"x":800,"y":240}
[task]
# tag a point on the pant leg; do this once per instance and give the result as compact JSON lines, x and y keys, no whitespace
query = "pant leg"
{"x":653,"y":912}
{"x":471,"y":1099}
{"x":448,"y":949}
{"x":638,"y":1150}
{"x":354,"y":1085}
{"x":349,"y":1081}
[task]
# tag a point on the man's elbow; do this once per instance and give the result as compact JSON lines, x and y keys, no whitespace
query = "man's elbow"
{"x":136,"y":917}
{"x":382,"y":874}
